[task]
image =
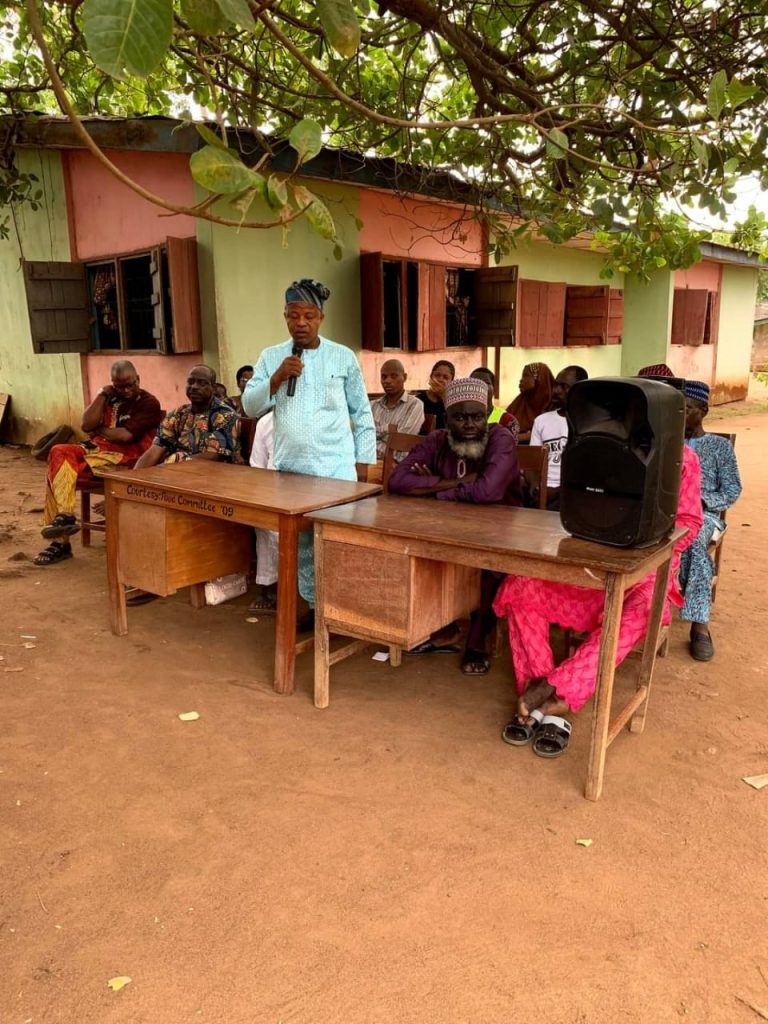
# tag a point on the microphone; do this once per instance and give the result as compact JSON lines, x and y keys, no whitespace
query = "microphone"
{"x":291,"y":390}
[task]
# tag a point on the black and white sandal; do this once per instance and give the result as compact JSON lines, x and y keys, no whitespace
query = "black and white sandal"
{"x":552,"y":737}
{"x":519,"y":732}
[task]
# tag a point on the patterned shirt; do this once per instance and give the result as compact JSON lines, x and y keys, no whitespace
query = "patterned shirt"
{"x":407,"y":416}
{"x":326,"y":426}
{"x":720,"y":480}
{"x":184,"y":433}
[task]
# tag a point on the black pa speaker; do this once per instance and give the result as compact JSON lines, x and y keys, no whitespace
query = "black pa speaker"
{"x":620,"y":477}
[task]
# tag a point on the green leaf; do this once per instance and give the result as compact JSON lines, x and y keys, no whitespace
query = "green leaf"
{"x":128,"y":37}
{"x":716,"y":94}
{"x":701,"y":150}
{"x":204,"y":16}
{"x":321,"y":220}
{"x":338,"y":252}
{"x":557,"y":143}
{"x":340,"y":25}
{"x":277,"y":193}
{"x":738,"y":93}
{"x":211,"y":137}
{"x":306,"y":139}
{"x":222,"y":171}
{"x":238,"y":12}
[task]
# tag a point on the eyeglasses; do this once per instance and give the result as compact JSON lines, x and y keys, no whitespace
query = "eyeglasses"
{"x":125,"y":385}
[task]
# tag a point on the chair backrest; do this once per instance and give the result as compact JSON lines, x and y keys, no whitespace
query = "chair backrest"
{"x":396,"y":442}
{"x":247,"y":430}
{"x":533,"y":459}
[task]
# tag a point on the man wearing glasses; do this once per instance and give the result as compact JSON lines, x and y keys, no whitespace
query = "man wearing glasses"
{"x":120,"y":423}
{"x":323,"y":424}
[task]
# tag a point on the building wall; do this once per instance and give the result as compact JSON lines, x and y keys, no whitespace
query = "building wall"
{"x":419,"y":230}
{"x":759,"y":362}
{"x":46,"y":390}
{"x":706,"y":275}
{"x":108,"y":218}
{"x":542,"y":261}
{"x":244,"y":275}
{"x":737,"y":305}
{"x":647,"y":321}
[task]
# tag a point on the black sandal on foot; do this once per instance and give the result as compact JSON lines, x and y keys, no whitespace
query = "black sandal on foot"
{"x":428,"y":647}
{"x":60,"y":526}
{"x":53,"y":553}
{"x":475,"y":663}
{"x":519,"y":732}
{"x":553,"y":736}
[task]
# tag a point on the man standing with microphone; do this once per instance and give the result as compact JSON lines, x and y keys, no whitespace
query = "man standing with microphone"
{"x":323,"y":420}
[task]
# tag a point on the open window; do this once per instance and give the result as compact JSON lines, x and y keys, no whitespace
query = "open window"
{"x":695,"y":316}
{"x":418,"y":306}
{"x":137,"y":302}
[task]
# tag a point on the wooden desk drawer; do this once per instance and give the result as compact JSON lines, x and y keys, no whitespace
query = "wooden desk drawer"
{"x":162,"y":550}
{"x":391,"y":597}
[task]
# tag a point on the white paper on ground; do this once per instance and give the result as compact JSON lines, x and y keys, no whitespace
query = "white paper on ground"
{"x":381,"y":656}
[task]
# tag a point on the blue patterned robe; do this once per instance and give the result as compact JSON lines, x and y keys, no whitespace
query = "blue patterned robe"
{"x":322,"y":430}
{"x":720,"y":487}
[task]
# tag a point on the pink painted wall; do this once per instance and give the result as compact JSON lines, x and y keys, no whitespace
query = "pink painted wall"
{"x":108,"y":218}
{"x":163,"y":376}
{"x":705,"y":275}
{"x":696,"y":362}
{"x":418,"y":230}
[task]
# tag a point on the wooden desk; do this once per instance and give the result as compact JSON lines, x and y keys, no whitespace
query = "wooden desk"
{"x":411,"y":533}
{"x":185,"y":523}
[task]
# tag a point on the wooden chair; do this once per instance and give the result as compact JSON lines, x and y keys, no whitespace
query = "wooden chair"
{"x":716,"y":547}
{"x":396,"y":442}
{"x":88,"y":525}
{"x":247,"y":431}
{"x":534,"y":459}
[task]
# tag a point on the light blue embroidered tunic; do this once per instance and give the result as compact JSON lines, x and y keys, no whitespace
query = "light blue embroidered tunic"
{"x":323,"y":429}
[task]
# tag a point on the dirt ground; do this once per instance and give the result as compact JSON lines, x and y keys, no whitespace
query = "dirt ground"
{"x":386,"y":860}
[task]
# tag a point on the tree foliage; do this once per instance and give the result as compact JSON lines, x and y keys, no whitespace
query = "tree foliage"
{"x":606,"y":116}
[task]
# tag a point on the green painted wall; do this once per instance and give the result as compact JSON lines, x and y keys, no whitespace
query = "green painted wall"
{"x":734,"y":343}
{"x":46,"y":390}
{"x":244,"y":274}
{"x":647,"y":321}
{"x":542,"y":261}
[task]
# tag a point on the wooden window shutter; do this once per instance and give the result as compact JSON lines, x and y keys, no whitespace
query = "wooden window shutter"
{"x":185,"y":294}
{"x":372,"y":301}
{"x":541,"y":313}
{"x":689,"y":316}
{"x":159,"y":332}
{"x":712,"y":324}
{"x":551,"y":314}
{"x":57,"y":301}
{"x":496,"y":306}
{"x":432,"y":308}
{"x":615,"y":316}
{"x":587,"y":314}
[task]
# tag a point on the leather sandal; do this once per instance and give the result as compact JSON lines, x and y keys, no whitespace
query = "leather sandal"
{"x":52,"y":554}
{"x":518,"y":732}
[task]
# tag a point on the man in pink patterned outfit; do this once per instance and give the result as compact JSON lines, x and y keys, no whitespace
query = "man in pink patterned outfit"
{"x":531,"y":605}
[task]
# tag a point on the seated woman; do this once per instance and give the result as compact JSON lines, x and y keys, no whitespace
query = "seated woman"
{"x":720,"y":487}
{"x":244,"y":374}
{"x":545,"y":693}
{"x":441,"y":374}
{"x":536,"y":385}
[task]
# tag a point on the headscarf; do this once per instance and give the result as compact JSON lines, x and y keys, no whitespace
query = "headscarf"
{"x":697,"y":390}
{"x":466,"y":389}
{"x":312,"y":293}
{"x":530,"y":404}
{"x":656,"y":370}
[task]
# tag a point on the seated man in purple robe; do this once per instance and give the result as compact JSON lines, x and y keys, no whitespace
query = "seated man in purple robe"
{"x":471,"y":461}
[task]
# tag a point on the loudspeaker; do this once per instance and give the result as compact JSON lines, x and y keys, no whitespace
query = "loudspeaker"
{"x":620,"y":476}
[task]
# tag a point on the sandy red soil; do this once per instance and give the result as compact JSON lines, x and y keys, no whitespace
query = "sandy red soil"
{"x":385,"y":860}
